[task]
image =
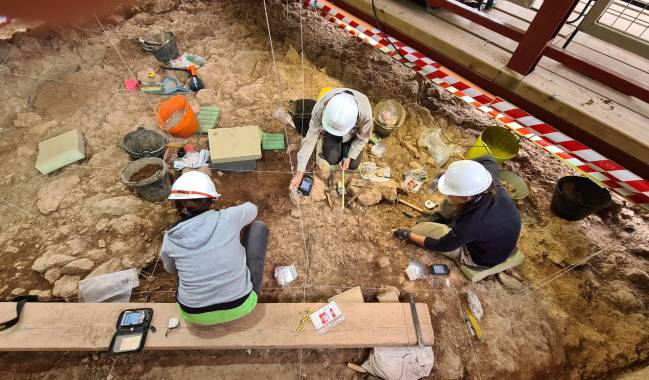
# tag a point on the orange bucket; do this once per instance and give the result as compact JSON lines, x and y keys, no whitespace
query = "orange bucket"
{"x":188,"y":124}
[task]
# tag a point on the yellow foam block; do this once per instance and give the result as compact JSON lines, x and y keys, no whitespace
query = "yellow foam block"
{"x":234,"y":144}
{"x":59,"y":151}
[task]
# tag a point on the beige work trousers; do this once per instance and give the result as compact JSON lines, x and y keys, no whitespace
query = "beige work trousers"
{"x":436,"y":231}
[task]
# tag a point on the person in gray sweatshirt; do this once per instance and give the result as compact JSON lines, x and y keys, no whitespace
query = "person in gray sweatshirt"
{"x":217,"y":255}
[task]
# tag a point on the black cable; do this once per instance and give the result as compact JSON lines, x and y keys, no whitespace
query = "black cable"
{"x":378,"y":23}
{"x":581,"y":14}
{"x":574,"y":32}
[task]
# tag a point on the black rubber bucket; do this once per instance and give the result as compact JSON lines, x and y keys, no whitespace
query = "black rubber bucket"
{"x":577,"y":197}
{"x":162,"y":46}
{"x":155,"y":188}
{"x":300,"y":111}
{"x":144,"y":143}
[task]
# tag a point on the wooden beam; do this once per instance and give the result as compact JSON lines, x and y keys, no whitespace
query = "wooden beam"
{"x":544,"y":27}
{"x":90,"y":327}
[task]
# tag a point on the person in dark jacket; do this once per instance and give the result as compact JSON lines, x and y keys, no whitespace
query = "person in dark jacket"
{"x":485,"y":221}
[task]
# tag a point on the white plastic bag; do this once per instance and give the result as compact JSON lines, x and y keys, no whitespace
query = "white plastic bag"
{"x":193,"y":160}
{"x":474,"y":305}
{"x":400,"y":363}
{"x":431,"y":138}
{"x":111,"y":287}
{"x":416,"y":270}
{"x":284,"y":117}
{"x":285,"y":275}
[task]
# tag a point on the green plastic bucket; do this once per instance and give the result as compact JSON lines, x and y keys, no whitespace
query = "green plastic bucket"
{"x":497,"y":141}
{"x":514,"y":184}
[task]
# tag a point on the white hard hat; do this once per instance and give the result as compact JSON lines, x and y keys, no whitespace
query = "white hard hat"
{"x":465,"y":178}
{"x":340,"y":114}
{"x":193,"y":185}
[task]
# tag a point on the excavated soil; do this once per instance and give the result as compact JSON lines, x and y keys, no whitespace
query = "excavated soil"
{"x":145,"y":173}
{"x":576,"y":308}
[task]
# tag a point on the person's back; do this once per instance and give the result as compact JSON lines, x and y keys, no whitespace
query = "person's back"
{"x":493,"y":224}
{"x":209,"y":258}
{"x":218,"y":256}
{"x":485,"y":221}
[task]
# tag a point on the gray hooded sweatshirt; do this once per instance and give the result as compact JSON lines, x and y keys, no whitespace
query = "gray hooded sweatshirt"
{"x":207,"y":254}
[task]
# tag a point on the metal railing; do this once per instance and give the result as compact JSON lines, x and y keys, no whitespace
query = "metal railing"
{"x":629,"y":17}
{"x":624,"y":23}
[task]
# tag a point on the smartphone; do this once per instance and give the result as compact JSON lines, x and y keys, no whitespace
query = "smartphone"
{"x":306,"y":185}
{"x":132,"y":318}
{"x":439,"y":270}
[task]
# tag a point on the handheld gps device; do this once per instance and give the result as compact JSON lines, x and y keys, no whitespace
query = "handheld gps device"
{"x":131,"y":331}
{"x":439,"y":270}
{"x":306,"y":185}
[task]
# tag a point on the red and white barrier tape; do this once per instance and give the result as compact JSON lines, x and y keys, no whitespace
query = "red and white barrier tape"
{"x":577,"y":155}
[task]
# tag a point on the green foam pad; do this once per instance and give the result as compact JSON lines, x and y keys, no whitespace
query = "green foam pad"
{"x":59,"y":151}
{"x":474,"y":275}
{"x":273,"y":141}
{"x":207,"y":118}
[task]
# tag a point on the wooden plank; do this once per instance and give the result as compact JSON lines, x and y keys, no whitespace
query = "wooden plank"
{"x":90,"y":327}
{"x":608,"y":120}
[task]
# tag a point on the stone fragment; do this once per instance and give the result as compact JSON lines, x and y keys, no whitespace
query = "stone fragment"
{"x":44,"y":294}
{"x":52,"y":275}
{"x":25,"y":151}
{"x":623,"y":297}
{"x":41,"y":130}
{"x":27,"y":119}
{"x":206,"y":97}
{"x":370,"y":197}
{"x":626,"y":214}
{"x":117,"y":206}
{"x":413,"y":87}
{"x":50,"y":260}
{"x":249,"y":94}
{"x":292,"y":56}
{"x":242,"y":113}
{"x":66,"y":287}
{"x":110,"y":266}
{"x":388,"y":190}
{"x":128,"y":223}
{"x":509,"y":281}
{"x":353,"y":295}
{"x":388,"y":294}
{"x":414,"y":165}
{"x":79,"y":266}
{"x":17,"y":291}
{"x":318,"y":190}
{"x":384,"y":262}
{"x":101,"y":243}
{"x":163,"y":6}
{"x":641,"y":250}
{"x":638,"y":277}
{"x":412,"y":149}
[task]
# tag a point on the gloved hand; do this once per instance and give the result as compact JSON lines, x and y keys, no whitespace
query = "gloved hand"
{"x":402,"y":234}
